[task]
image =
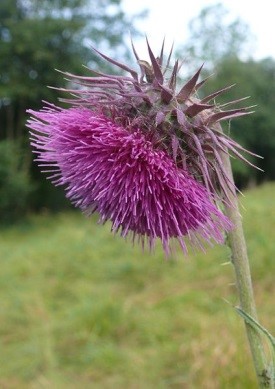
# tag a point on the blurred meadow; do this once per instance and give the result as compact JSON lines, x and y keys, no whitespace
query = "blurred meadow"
{"x":79,"y":307}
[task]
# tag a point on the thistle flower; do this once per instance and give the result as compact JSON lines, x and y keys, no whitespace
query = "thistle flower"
{"x":125,"y":177}
{"x":141,"y":152}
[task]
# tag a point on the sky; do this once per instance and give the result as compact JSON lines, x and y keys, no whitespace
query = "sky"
{"x":170,"y":18}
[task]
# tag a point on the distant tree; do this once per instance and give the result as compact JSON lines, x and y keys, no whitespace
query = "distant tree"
{"x":40,"y":35}
{"x":15,"y":184}
{"x":213,"y":35}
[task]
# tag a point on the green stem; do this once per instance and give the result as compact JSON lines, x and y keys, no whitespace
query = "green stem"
{"x":243,"y":279}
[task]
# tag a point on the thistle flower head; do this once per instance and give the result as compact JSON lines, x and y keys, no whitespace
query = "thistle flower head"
{"x":141,"y":151}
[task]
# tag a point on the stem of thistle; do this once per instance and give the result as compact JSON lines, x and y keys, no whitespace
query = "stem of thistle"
{"x":240,"y":262}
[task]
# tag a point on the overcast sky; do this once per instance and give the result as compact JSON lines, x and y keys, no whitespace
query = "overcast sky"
{"x":171,"y":17}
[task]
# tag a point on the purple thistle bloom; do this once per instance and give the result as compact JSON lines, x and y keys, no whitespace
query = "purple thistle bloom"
{"x":142,"y":152}
{"x":123,"y":174}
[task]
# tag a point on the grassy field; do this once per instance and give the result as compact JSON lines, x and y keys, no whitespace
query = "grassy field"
{"x":80,"y":308}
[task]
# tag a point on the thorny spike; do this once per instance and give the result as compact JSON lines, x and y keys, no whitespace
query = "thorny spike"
{"x":120,"y":65}
{"x":161,"y":52}
{"x":157,"y":70}
{"x":217,"y":93}
{"x":188,"y":88}
{"x":223,"y":115}
{"x":194,"y":109}
{"x":238,"y":146}
{"x":102,"y":77}
{"x":169,"y":58}
{"x":200,"y":84}
{"x":134,"y":50}
{"x":234,"y":102}
{"x":234,"y":150}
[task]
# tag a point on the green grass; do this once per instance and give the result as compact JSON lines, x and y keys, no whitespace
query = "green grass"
{"x":80,"y":308}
